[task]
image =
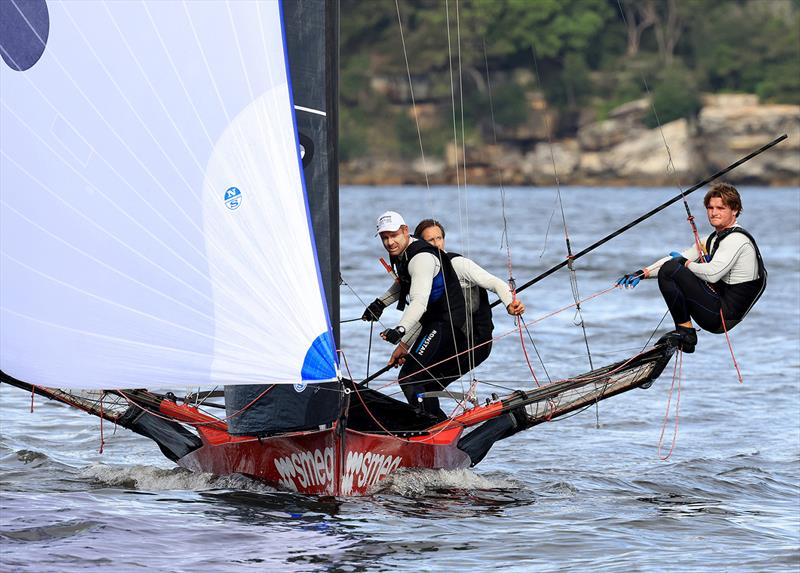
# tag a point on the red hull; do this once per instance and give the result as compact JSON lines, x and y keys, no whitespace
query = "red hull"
{"x":325,"y":462}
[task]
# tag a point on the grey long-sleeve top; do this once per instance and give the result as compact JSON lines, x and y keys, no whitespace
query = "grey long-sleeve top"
{"x":734,"y":262}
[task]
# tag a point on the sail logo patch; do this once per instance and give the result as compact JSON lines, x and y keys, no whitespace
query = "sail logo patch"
{"x":300,"y":387}
{"x":233,"y":198}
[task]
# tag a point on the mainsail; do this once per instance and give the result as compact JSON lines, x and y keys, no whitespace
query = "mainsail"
{"x":155,"y":226}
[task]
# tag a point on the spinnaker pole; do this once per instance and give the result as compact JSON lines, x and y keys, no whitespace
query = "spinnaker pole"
{"x":649,"y":214}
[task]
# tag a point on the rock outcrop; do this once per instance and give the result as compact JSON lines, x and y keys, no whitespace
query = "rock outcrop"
{"x":619,"y":150}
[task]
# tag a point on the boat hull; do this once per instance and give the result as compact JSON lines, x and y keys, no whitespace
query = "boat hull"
{"x":325,"y":462}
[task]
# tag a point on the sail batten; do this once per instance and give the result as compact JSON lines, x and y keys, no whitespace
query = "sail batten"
{"x":155,"y":226}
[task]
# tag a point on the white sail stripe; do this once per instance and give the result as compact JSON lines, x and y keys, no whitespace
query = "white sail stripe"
{"x":239,"y":50}
{"x":311,"y":110}
{"x":232,"y":296}
{"x":138,"y":343}
{"x":246,"y":157}
{"x":119,"y":138}
{"x":120,"y":305}
{"x":239,"y":137}
{"x":177,"y":74}
{"x":141,"y":121}
{"x":94,"y":223}
{"x":109,"y":165}
{"x":262,"y":121}
{"x":13,"y":61}
{"x":213,"y":244}
{"x":122,"y":140}
{"x":290,"y":157}
{"x":154,"y":91}
{"x":92,"y":334}
{"x":104,"y":264}
{"x":236,"y":129}
{"x":267,"y":59}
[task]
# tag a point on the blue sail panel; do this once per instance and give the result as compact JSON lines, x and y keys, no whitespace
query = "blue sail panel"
{"x":320,"y":361}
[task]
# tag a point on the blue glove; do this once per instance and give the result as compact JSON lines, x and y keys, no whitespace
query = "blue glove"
{"x":630,"y":280}
{"x":676,"y":255}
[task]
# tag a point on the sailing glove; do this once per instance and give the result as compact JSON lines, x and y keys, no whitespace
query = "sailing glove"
{"x":676,"y":255}
{"x":373,"y":311}
{"x":630,"y":280}
{"x":393,"y":335}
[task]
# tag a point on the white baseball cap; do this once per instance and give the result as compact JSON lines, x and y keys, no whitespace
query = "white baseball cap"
{"x":389,"y":221}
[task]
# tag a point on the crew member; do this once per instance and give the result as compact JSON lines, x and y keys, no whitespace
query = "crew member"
{"x":428,"y":292}
{"x":716,"y":287}
{"x":475,"y":282}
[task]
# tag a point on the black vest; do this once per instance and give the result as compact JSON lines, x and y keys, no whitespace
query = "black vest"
{"x":482,"y":325}
{"x":738,"y":299}
{"x":446,"y":303}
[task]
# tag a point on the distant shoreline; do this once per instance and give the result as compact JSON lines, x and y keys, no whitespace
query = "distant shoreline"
{"x":617,"y":152}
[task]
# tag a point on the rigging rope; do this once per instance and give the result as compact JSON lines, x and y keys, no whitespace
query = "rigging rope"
{"x":573,"y":275}
{"x":465,"y":233}
{"x":102,"y":439}
{"x":504,"y":238}
{"x":676,"y":377}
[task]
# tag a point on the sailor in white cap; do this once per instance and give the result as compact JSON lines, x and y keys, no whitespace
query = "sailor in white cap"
{"x":429,"y":294}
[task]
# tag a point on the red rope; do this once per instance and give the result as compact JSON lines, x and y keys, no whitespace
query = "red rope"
{"x":102,"y":439}
{"x":676,"y":376}
{"x":512,"y":331}
{"x":525,"y":352}
{"x":730,"y":346}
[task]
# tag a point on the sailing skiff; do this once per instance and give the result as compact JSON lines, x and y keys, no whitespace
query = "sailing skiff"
{"x":169,"y":193}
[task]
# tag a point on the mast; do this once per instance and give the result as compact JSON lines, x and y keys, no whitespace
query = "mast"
{"x":311,"y":31}
{"x":312,"y":42}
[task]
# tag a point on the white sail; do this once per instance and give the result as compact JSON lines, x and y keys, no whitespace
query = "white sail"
{"x":155,"y":228}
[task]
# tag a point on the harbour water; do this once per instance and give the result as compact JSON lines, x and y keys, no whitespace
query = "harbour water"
{"x":587,"y":493}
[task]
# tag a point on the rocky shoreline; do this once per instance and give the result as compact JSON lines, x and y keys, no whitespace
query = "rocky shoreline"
{"x":618,"y":151}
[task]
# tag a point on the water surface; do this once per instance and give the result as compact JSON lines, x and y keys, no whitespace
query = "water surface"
{"x":588,"y":493}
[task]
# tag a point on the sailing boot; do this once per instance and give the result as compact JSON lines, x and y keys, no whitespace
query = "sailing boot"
{"x":682,"y":337}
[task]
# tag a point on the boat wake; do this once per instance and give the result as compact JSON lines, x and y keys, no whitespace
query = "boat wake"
{"x":151,"y":478}
{"x":423,"y":482}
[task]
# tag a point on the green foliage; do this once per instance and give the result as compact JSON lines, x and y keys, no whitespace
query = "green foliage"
{"x":675,"y":96}
{"x":748,"y":47}
{"x":580,"y":53}
{"x":509,"y":102}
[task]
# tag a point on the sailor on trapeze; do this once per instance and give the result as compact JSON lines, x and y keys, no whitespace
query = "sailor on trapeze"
{"x":716,"y":287}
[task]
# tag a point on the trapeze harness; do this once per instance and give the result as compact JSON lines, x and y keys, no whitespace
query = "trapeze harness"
{"x":441,"y":337}
{"x":481,"y":317}
{"x":446,"y":302}
{"x":736,"y":299}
